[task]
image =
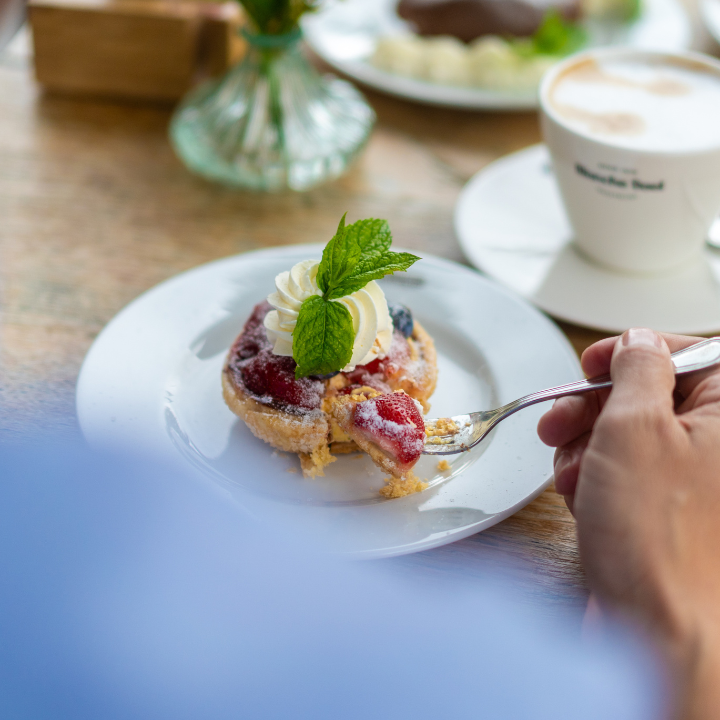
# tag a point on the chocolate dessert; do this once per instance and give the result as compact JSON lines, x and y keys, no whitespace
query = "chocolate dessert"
{"x":471,"y":19}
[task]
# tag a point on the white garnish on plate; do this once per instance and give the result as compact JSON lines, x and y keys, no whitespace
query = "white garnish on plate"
{"x":368,"y":308}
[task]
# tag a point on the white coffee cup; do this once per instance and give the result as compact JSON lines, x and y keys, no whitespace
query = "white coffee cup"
{"x":640,"y":190}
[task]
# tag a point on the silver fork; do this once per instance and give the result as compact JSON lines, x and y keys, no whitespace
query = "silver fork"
{"x":462,"y":432}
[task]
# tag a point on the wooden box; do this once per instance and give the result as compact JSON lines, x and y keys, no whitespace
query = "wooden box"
{"x":154,"y":49}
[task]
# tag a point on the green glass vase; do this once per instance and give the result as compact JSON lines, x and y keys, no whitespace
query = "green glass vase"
{"x":272,"y":122}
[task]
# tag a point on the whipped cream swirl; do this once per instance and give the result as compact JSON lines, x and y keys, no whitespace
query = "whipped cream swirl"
{"x":368,"y":308}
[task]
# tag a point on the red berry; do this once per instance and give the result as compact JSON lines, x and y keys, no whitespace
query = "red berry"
{"x":397,"y":356}
{"x":271,"y":378}
{"x":258,"y":315}
{"x":253,"y":338}
{"x":394,"y":423}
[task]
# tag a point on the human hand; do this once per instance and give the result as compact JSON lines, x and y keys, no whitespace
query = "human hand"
{"x":639,"y":466}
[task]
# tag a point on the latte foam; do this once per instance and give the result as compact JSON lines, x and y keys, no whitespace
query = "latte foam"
{"x":655,"y":104}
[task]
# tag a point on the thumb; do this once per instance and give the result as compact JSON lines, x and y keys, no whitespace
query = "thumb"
{"x":642,"y":373}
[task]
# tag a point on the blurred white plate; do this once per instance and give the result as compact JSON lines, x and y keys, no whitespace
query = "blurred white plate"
{"x":511,"y":224}
{"x":345,"y":33}
{"x":151,"y":381}
{"x":710,"y":11}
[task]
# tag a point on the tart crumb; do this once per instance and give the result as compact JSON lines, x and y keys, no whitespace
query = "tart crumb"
{"x":338,"y":382}
{"x":443,"y":465}
{"x":363,"y":393}
{"x":401,"y":486}
{"x":442,"y":426}
{"x":313,"y":464}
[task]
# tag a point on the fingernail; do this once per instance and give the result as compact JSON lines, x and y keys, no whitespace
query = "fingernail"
{"x":641,"y":336}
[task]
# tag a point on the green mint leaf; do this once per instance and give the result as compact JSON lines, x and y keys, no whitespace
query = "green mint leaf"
{"x":365,"y":239}
{"x":323,"y":337}
{"x":374,"y":238}
{"x":555,"y":36}
{"x":339,"y":259}
{"x":374,"y":267}
{"x":372,"y":235}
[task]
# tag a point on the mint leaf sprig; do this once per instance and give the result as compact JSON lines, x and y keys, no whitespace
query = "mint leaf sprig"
{"x":324,"y":336}
{"x":555,"y":37}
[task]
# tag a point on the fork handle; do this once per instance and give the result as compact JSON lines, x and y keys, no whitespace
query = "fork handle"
{"x":701,"y":356}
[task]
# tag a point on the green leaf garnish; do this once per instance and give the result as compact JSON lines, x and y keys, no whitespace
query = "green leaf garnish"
{"x":375,"y":259}
{"x":324,"y":336}
{"x":555,"y":36}
{"x":375,"y":268}
{"x":339,"y":259}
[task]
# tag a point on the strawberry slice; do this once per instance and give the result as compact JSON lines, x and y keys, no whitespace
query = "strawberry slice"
{"x":394,"y":423}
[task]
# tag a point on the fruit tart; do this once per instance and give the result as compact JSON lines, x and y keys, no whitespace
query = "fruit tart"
{"x":324,"y":366}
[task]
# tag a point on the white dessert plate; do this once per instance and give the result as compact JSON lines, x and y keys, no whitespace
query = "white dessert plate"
{"x":151,"y":381}
{"x":710,"y":11}
{"x":345,"y":32}
{"x":511,"y":224}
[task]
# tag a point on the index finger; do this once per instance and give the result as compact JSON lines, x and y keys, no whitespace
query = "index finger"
{"x":596,"y":359}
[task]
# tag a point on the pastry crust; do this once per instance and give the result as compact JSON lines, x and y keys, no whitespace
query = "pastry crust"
{"x":418,"y":379}
{"x":282,"y":430}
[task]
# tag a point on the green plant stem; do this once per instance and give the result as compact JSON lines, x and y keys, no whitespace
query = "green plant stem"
{"x":268,"y":66}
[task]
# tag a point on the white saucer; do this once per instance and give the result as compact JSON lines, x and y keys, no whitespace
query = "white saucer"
{"x":710,"y":11}
{"x":345,"y":32}
{"x":511,"y":224}
{"x":151,"y":381}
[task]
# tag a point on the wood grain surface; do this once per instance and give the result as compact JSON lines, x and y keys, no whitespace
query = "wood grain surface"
{"x":95,"y":209}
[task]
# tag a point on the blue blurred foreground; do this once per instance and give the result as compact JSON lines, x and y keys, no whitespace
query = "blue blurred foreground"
{"x":128,"y":591}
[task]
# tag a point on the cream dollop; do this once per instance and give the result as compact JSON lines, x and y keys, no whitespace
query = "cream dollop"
{"x":368,"y":308}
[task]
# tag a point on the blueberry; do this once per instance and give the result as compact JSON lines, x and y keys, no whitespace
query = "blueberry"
{"x":328,"y":376}
{"x":402,"y":319}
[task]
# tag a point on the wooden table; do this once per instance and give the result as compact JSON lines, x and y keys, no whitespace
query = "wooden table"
{"x":95,"y":209}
